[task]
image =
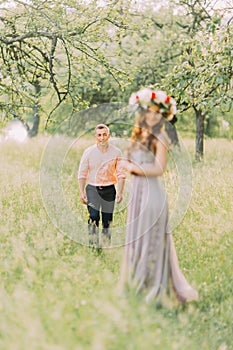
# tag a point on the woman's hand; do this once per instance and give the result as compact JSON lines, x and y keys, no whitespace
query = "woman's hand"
{"x":136,"y":169}
{"x":132,"y":168}
{"x":125,"y":164}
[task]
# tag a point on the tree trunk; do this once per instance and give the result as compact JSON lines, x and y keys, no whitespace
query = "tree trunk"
{"x":208,"y":126}
{"x":172,"y":132}
{"x":36,"y":117}
{"x":200,"y":117}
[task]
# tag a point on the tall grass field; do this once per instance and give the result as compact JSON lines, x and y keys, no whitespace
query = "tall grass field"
{"x":56,"y":293}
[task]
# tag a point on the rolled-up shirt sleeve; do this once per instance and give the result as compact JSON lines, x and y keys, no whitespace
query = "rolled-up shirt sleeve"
{"x":120,"y":172}
{"x":83,"y":166}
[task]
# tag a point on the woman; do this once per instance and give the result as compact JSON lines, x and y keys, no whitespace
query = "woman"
{"x":150,"y":260}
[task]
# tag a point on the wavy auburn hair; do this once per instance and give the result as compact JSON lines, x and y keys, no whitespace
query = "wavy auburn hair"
{"x":141,"y":126}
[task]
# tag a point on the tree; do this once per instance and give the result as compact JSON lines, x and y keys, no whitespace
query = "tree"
{"x":44,"y":44}
{"x":202,"y":79}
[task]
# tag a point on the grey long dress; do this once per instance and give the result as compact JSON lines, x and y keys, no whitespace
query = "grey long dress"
{"x":150,"y":260}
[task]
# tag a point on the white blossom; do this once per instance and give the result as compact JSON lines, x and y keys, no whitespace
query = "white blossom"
{"x":160,"y":96}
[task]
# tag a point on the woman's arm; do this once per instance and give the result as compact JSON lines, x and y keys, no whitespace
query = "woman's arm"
{"x":156,"y":169}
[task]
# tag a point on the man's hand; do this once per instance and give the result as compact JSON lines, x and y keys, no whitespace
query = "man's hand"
{"x":83,"y":198}
{"x":119,"y":197}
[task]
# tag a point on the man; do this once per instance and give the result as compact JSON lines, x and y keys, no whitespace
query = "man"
{"x":98,"y":173}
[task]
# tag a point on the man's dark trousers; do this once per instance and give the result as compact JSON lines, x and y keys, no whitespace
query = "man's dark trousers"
{"x":101,"y":199}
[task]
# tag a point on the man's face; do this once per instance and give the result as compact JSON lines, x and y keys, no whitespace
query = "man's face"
{"x":102,"y":136}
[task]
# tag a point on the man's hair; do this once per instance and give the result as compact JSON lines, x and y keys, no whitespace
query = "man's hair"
{"x":102,"y":126}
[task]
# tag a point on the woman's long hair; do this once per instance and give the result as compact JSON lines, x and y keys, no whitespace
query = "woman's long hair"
{"x":141,"y":126}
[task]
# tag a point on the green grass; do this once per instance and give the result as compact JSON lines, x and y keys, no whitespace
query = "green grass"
{"x":57,"y":294}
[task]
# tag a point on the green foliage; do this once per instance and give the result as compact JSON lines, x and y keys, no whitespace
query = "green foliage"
{"x":202,"y":77}
{"x":57,"y":294}
{"x":56,"y":42}
{"x":85,"y":54}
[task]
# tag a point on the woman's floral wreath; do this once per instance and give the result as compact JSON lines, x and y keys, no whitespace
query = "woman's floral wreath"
{"x":147,"y":97}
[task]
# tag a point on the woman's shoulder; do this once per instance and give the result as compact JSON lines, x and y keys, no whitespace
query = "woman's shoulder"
{"x":164,"y":139}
